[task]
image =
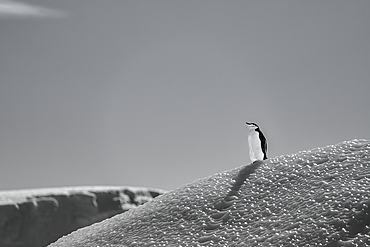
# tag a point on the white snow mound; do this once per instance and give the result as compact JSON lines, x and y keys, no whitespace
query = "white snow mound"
{"x":313,"y":198}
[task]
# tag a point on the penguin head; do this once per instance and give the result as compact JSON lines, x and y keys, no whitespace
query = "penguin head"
{"x":252,"y":126}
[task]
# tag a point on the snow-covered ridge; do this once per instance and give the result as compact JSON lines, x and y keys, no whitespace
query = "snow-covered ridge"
{"x":313,"y":198}
{"x":38,"y":217}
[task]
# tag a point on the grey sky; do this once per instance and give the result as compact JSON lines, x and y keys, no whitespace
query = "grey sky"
{"x":156,"y":93}
{"x":19,"y":9}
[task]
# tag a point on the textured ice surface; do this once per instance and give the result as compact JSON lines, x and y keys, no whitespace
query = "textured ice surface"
{"x":313,"y":198}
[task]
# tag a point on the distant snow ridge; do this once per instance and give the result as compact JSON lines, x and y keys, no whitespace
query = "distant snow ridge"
{"x":313,"y":198}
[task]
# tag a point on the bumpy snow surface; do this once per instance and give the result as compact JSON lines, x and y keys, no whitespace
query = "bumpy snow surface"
{"x":313,"y":198}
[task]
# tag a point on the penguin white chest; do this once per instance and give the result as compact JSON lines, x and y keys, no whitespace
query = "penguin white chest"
{"x":255,"y":148}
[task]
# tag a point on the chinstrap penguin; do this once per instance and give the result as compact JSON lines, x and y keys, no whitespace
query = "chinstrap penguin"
{"x":257,"y":143}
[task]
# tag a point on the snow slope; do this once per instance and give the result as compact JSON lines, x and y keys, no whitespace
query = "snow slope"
{"x":313,"y":198}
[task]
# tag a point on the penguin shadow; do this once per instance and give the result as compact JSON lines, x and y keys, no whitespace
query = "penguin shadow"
{"x":239,"y":180}
{"x":222,"y":214}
